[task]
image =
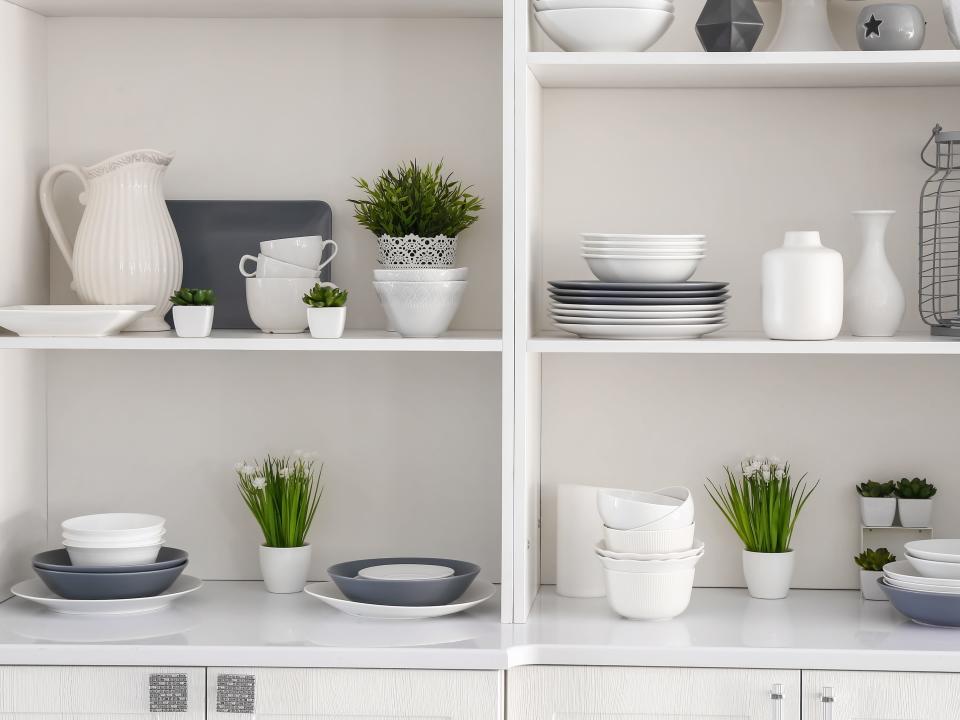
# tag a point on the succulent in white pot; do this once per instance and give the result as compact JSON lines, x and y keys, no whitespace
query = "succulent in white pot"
{"x":871,"y":564}
{"x":915,"y":502}
{"x":416,"y":213}
{"x":193,"y":312}
{"x":326,"y":310}
{"x":878,"y":506}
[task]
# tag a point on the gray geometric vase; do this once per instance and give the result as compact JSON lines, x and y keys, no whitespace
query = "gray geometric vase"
{"x":729,"y":26}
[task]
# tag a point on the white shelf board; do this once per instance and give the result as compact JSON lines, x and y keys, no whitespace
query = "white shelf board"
{"x":749,"y":344}
{"x":265,"y":8}
{"x":760,"y":69}
{"x":352,"y":340}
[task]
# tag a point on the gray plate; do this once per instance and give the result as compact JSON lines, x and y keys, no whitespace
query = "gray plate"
{"x":59,"y":560}
{"x":923,"y":607}
{"x":403,"y":592}
{"x":600,"y":285}
{"x":215,"y":234}
{"x":109,"y":586}
{"x":718,"y":300}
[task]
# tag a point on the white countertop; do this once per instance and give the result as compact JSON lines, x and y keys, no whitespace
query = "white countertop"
{"x":238,"y":623}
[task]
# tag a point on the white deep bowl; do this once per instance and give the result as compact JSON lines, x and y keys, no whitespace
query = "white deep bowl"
{"x":650,"y":566}
{"x":649,"y":596}
{"x":139,"y":541}
{"x":696,"y":548}
{"x":276,"y":304}
{"x":934,"y":569}
{"x":420,"y":309}
{"x":649,"y":541}
{"x":539,"y":5}
{"x":604,"y":29}
{"x":631,"y":509}
{"x":936,"y":550}
{"x":623,"y":268}
{"x":113,"y":523}
{"x":109,"y":557}
{"x":420,"y":274}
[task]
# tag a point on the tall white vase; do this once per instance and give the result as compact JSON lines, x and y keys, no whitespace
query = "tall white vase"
{"x":802,"y":289}
{"x":126,"y":251}
{"x":804,"y":26}
{"x":875,"y":301}
{"x":951,"y":14}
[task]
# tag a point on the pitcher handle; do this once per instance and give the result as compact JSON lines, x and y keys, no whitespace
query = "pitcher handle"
{"x":50,"y":212}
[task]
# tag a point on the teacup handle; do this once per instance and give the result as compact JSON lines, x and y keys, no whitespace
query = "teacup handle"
{"x":329,"y":260}
{"x":243,"y":264}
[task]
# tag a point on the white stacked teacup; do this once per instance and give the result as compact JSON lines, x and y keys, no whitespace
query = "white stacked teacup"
{"x":420,"y":302}
{"x":285,"y":270}
{"x":649,"y":551}
{"x":112,"y":539}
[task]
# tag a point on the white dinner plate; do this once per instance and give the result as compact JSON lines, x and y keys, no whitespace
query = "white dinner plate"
{"x":559,"y":317}
{"x":69,"y":320}
{"x":634,"y":314}
{"x":331,"y":595}
{"x":405,"y":571}
{"x":669,"y":309}
{"x":35,"y":591}
{"x":905,"y":572}
{"x":640,"y":332}
{"x":936,"y":550}
{"x":920,"y":587}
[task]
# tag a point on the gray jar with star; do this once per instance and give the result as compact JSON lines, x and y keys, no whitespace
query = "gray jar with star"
{"x":897,"y":26}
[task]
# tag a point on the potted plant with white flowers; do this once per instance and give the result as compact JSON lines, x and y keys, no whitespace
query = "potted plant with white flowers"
{"x":326,"y":310}
{"x":762,"y":504}
{"x":915,"y":501}
{"x":282,"y":494}
{"x":193,"y":312}
{"x":878,"y":506}
{"x":871,"y":564}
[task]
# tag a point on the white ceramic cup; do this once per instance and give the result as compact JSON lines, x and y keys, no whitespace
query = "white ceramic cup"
{"x":268,"y":267}
{"x":276,"y":304}
{"x":306,"y":251}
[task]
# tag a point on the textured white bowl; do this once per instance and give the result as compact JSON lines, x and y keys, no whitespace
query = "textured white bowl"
{"x":665,"y":5}
{"x":696,"y":548}
{"x":623,"y":268}
{"x":632,"y":509}
{"x":420,"y":274}
{"x":650,"y":566}
{"x":109,"y":557}
{"x":649,"y":596}
{"x":934,"y":569}
{"x":936,"y":550}
{"x":113,"y":523}
{"x":604,"y":29}
{"x":420,"y":309}
{"x":649,"y":541}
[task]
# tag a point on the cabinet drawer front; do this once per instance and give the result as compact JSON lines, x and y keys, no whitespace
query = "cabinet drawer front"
{"x":330,"y":694}
{"x":829,"y":695}
{"x":619,"y":693}
{"x":111,"y":693}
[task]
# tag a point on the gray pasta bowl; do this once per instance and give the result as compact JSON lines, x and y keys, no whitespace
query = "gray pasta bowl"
{"x":59,"y":561}
{"x":408,"y":593}
{"x":109,"y":586}
{"x":926,"y":608}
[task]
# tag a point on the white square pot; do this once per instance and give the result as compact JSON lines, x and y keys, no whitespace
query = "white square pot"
{"x":869,"y":587}
{"x":915,"y":513}
{"x":193,"y":321}
{"x":327,"y":322}
{"x":878,"y":512}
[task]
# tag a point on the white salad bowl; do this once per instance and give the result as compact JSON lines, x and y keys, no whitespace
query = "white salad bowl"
{"x":632,"y":509}
{"x":936,"y":550}
{"x":113,"y":524}
{"x":110,"y":557}
{"x":649,"y":541}
{"x":624,"y":268}
{"x":934,"y":569}
{"x":420,"y":309}
{"x":649,"y":596}
{"x":139,"y":541}
{"x":604,"y":29}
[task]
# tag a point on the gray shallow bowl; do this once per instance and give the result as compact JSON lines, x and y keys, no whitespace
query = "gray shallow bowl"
{"x":109,"y":586}
{"x":923,"y":607}
{"x":409,"y":593}
{"x":59,"y":561}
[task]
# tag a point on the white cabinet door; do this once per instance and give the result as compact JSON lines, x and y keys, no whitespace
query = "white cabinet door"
{"x":335,"y":693}
{"x":620,"y":693}
{"x":831,"y":695}
{"x":101,"y":693}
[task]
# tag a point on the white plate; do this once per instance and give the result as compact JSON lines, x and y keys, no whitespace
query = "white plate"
{"x":937,"y":550}
{"x":405,"y":572}
{"x":631,"y":237}
{"x":935,"y":569}
{"x":328,"y":593}
{"x":634,"y":314}
{"x":35,"y":591}
{"x":621,"y":254}
{"x":639,"y":332}
{"x":558,"y":317}
{"x":905,"y":572}
{"x":920,"y":587}
{"x":69,"y":320}
{"x":669,"y":310}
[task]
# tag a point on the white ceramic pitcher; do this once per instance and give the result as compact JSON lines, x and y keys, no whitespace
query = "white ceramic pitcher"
{"x":126,"y":251}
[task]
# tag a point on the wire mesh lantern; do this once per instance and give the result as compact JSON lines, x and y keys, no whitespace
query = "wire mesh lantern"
{"x":940,"y":235}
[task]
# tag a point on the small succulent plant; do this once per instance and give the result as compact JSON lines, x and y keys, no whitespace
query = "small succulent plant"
{"x":321,"y":296}
{"x":872,"y":489}
{"x":193,"y":296}
{"x":915,"y":489}
{"x":874,"y":560}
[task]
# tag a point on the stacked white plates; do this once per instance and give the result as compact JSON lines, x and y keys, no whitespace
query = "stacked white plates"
{"x":604,"y":25}
{"x":418,"y":301}
{"x":926,"y":586}
{"x":643,"y":258}
{"x":112,"y":539}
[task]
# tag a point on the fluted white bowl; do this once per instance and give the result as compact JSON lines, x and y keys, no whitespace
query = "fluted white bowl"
{"x":649,"y":541}
{"x":649,"y":596}
{"x":604,"y":29}
{"x":420,"y":309}
{"x":650,"y":566}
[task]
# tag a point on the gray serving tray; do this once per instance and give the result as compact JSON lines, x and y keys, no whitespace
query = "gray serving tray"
{"x":215,"y":234}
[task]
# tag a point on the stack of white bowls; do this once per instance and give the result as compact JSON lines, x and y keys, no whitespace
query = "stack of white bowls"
{"x":649,"y":552}
{"x":619,"y":258}
{"x":286,"y":270}
{"x":604,"y":25}
{"x":926,"y":586}
{"x":112,"y":539}
{"x":420,"y":302}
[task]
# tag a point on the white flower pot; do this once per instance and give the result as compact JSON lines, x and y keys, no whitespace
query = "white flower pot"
{"x":327,"y":322}
{"x":285,"y":570}
{"x":768,"y":575}
{"x":193,"y":321}
{"x":915,"y":513}
{"x":878,"y":512}
{"x":415,"y":251}
{"x":868,"y":585}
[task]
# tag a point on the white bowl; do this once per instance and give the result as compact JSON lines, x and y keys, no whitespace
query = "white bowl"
{"x":666,"y":5}
{"x":696,"y":548}
{"x":632,"y":237}
{"x":649,"y":596}
{"x":140,"y":541}
{"x":936,"y":550}
{"x":904,"y":571}
{"x":113,"y":523}
{"x":628,"y":248}
{"x":276,"y":304}
{"x":650,"y":566}
{"x":623,"y":268}
{"x":642,"y":254}
{"x":632,"y":509}
{"x":420,"y":309}
{"x":934,"y":569}
{"x":649,"y":541}
{"x":604,"y":29}
{"x":420,"y":274}
{"x":109,"y":557}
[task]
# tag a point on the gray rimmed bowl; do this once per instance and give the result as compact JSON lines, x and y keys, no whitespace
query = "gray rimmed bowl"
{"x":926,"y":608}
{"x":109,"y":586}
{"x":59,"y":561}
{"x":409,"y":593}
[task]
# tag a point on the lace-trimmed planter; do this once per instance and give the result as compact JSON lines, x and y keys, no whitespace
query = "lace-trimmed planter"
{"x":415,"y":251}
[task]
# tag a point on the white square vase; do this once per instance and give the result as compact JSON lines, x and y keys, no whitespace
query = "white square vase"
{"x":915,"y":513}
{"x":878,"y":512}
{"x":869,"y":587}
{"x":327,"y":322}
{"x":193,"y":321}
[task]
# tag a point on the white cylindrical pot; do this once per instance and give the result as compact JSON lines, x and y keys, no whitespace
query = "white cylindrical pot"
{"x":327,"y":322}
{"x":285,"y":570}
{"x":802,"y":289}
{"x":768,"y":575}
{"x":878,"y":512}
{"x":874,"y":296}
{"x":915,"y":513}
{"x":804,"y":26}
{"x":193,"y":321}
{"x":869,"y":587}
{"x":951,"y":14}
{"x":579,"y":528}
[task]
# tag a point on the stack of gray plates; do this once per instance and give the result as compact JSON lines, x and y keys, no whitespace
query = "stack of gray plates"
{"x":638,"y":311}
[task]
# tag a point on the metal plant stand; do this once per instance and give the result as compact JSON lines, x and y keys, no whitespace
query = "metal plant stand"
{"x":940,"y":236}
